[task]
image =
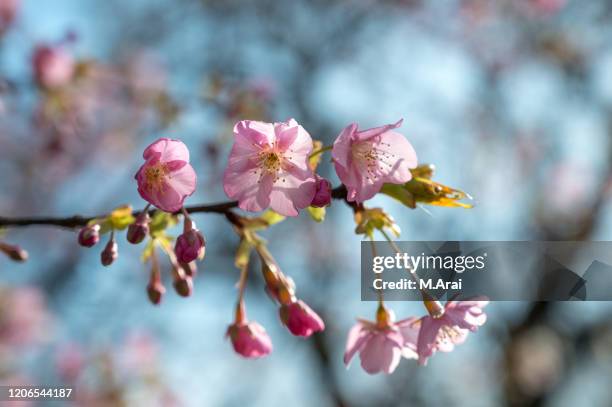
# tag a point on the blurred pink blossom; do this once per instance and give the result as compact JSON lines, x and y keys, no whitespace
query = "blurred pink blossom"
{"x":53,"y":66}
{"x":8,"y":10}
{"x":166,"y":178}
{"x":367,"y":159}
{"x":139,"y":352}
{"x":24,"y":318}
{"x":268,"y":167}
{"x":70,"y":362}
{"x":547,"y":7}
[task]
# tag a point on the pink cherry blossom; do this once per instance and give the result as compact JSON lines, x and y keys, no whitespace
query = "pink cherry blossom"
{"x":166,"y":178}
{"x":300,"y":319}
{"x":268,"y":168}
{"x":322,"y":195}
{"x":367,"y":159}
{"x":53,"y":66}
{"x":381,"y":347}
{"x":249,"y":339}
{"x":442,"y":333}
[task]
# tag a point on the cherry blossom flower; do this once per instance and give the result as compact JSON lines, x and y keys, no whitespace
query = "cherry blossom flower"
{"x":382,"y":344}
{"x":268,"y":167}
{"x":367,"y":159}
{"x":166,"y":178}
{"x":53,"y":66}
{"x":447,"y":327}
{"x":249,"y":339}
{"x":300,"y":319}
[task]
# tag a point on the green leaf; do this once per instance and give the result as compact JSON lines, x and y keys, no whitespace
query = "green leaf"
{"x":243,"y":253}
{"x":271,"y":217}
{"x":267,"y":219}
{"x":147,"y":252}
{"x":160,"y":222}
{"x":313,"y":161}
{"x":121,"y":217}
{"x":400,"y":193}
{"x":317,"y":214}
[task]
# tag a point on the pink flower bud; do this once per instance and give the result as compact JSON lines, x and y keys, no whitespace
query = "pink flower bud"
{"x":89,"y":235}
{"x":53,"y":67}
{"x":138,"y":230}
{"x":323,"y":193}
{"x":300,"y":319}
{"x":110,"y":252}
{"x":14,"y":253}
{"x":183,"y":286}
{"x":249,"y":339}
{"x":155,"y":288}
{"x":155,"y":292}
{"x":190,"y":246}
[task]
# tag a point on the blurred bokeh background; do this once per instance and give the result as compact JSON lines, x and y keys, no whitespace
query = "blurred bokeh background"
{"x":511,"y":100}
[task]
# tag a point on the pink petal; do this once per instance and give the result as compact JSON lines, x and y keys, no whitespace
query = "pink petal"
{"x":409,"y":328}
{"x":167,"y":199}
{"x":427,"y":338}
{"x":292,"y":191}
{"x":183,"y":181}
{"x":403,"y":156}
{"x":295,"y":142}
{"x":166,"y":150}
{"x":251,"y":190}
{"x":341,"y":151}
{"x":254,"y":133}
{"x":380,"y":354}
{"x":366,"y":134}
{"x":357,"y":337}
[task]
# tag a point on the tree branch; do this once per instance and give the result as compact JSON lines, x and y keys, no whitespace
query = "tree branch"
{"x":76,"y":221}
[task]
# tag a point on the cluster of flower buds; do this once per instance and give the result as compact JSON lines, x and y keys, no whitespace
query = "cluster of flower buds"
{"x":295,"y":314}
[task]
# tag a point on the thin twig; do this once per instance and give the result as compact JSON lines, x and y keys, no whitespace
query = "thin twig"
{"x":76,"y":221}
